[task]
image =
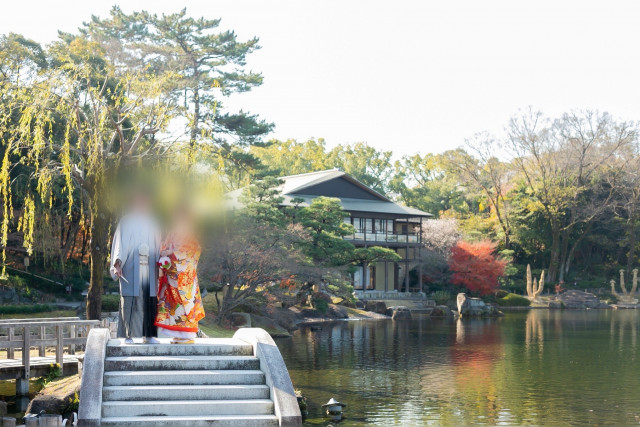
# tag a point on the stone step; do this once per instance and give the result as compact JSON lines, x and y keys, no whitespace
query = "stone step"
{"x":173,"y":377}
{"x":203,"y":347}
{"x":159,"y":363}
{"x":195,"y":392}
{"x":192,"y":421}
{"x":173,"y":408}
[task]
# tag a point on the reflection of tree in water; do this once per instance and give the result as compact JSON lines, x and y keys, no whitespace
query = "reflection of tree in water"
{"x":473,"y":356}
{"x":559,"y":367}
{"x":376,"y":367}
{"x":624,"y":329}
{"x":534,"y":332}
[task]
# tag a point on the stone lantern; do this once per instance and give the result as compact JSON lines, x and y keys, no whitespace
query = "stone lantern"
{"x":334,"y":409}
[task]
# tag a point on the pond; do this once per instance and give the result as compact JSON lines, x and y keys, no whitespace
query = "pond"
{"x":539,"y":367}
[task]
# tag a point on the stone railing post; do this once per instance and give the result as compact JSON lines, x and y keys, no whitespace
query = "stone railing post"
{"x":90,"y":410}
{"x":276,"y":375}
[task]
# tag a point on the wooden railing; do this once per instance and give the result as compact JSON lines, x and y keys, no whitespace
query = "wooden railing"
{"x":68,"y":331}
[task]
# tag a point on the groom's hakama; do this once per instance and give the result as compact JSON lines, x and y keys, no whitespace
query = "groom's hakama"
{"x":137,"y":314}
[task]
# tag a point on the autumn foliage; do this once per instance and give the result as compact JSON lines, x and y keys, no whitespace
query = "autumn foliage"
{"x":475,"y":266}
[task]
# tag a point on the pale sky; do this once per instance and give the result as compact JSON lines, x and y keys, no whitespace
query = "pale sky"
{"x":405,"y":76}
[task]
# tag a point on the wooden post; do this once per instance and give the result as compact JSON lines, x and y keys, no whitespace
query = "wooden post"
{"x":43,"y":335}
{"x":386,"y":275}
{"x":420,"y":257}
{"x":26,"y":352}
{"x":72,"y":334}
{"x":10,"y":351}
{"x":406,"y":260}
{"x":59,"y":348}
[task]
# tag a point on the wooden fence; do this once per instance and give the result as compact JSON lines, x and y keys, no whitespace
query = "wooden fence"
{"x":24,"y":334}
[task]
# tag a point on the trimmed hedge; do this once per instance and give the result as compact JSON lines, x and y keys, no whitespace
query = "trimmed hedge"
{"x":513,"y":300}
{"x":25,"y":309}
{"x":321,"y":305}
{"x":110,"y":303}
{"x":501,"y":293}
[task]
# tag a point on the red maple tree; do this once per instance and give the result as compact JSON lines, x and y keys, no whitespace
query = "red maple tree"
{"x":475,"y":266}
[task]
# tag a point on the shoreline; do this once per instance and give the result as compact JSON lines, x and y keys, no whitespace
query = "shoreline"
{"x":352,"y":315}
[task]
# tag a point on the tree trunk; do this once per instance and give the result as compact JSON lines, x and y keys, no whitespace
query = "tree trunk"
{"x":555,"y":255}
{"x":98,"y":251}
{"x":224,"y":308}
{"x":632,"y":243}
{"x":67,"y":244}
{"x":83,"y":249}
{"x":572,"y":250}
{"x":195,"y":126}
{"x":196,"y":118}
{"x":564,"y":253}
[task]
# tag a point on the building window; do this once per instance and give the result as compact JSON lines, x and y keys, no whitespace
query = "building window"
{"x":368,"y":225}
{"x":358,"y":279}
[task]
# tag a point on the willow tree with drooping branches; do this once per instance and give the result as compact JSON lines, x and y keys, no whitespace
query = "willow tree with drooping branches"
{"x":77,"y":118}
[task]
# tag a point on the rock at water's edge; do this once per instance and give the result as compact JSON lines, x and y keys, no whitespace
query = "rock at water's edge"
{"x":574,"y":299}
{"x":337,"y":312}
{"x":376,"y":306}
{"x":56,"y":397}
{"x":400,"y":313}
{"x":441,"y":311}
{"x":475,"y":307}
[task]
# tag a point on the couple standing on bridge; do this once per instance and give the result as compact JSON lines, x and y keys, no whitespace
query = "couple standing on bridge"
{"x":158,"y":279}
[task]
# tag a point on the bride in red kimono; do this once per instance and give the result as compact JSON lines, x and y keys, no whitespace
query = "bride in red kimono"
{"x":179,"y":302}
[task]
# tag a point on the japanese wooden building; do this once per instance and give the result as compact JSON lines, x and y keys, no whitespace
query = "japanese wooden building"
{"x":378,"y":221}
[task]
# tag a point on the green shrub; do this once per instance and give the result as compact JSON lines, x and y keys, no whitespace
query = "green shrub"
{"x":320,"y":304}
{"x":441,"y":297}
{"x":21,"y":280}
{"x":501,"y":293}
{"x":110,"y":303}
{"x":78,"y":284}
{"x":513,"y":300}
{"x":25,"y":309}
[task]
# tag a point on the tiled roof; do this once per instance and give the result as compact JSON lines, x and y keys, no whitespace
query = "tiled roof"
{"x":293,"y":186}
{"x":296,"y":184}
{"x":363,"y":205}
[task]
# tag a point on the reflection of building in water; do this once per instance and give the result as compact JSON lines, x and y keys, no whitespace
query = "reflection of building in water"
{"x":534,"y":331}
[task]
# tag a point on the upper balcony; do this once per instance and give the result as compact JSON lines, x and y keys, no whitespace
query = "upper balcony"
{"x":384,"y":237}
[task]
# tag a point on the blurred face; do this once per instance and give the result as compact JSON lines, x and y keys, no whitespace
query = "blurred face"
{"x":183,"y":220}
{"x":140,"y":202}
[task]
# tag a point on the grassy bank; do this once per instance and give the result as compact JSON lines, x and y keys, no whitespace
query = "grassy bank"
{"x":216,"y":331}
{"x":53,"y":313}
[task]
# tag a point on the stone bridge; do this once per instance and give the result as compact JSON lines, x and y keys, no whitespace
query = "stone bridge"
{"x":239,"y":381}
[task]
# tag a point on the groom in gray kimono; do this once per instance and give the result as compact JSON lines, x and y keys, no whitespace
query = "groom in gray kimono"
{"x":134,"y":255}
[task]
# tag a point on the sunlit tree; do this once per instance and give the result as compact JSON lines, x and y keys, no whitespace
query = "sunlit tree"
{"x":79,"y":120}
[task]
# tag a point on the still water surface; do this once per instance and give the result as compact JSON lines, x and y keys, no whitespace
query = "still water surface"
{"x":528,"y":368}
